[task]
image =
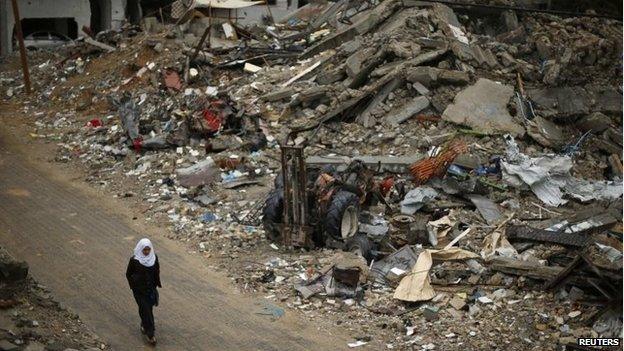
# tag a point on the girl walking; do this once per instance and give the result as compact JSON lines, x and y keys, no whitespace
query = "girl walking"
{"x":143,"y":274}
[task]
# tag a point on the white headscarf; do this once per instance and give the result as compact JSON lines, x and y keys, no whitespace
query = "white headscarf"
{"x":148,"y":260}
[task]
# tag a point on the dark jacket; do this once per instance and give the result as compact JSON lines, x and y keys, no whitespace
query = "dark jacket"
{"x":143,"y":279}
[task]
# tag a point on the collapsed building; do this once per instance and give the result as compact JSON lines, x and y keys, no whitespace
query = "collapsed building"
{"x":438,"y":163}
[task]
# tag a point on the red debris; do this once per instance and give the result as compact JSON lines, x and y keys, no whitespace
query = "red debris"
{"x":94,"y":123}
{"x":137,"y":143}
{"x":172,"y":80}
{"x":436,"y":166}
{"x":386,"y":185}
{"x":230,"y":163}
{"x":213,"y":120}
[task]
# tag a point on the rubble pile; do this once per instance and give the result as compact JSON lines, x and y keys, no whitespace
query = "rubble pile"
{"x":30,"y":318}
{"x":482,"y":153}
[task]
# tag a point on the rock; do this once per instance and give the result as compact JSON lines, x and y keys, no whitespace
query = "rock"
{"x":547,"y":133}
{"x":551,"y":72}
{"x":483,"y":107}
{"x":430,"y":313}
{"x":596,"y":122}
{"x":13,"y":271}
{"x":458,"y":303}
{"x":6,"y":345}
{"x":574,"y":314}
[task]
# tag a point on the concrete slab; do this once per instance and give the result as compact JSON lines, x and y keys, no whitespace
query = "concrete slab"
{"x":483,"y":107}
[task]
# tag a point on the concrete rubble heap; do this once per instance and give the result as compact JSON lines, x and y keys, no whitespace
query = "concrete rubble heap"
{"x":499,"y":137}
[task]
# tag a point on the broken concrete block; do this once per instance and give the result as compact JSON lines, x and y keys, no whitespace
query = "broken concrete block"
{"x":421,"y":89}
{"x":352,"y":45}
{"x":404,"y":50}
{"x":202,"y":173}
{"x":557,"y":102}
{"x":606,"y":99}
{"x":544,"y":48}
{"x":483,"y":107}
{"x":484,"y":56}
{"x":444,"y":17}
{"x":251,"y":68}
{"x":6,"y":345}
{"x":430,"y":76}
{"x":596,"y":122}
{"x":277,"y":95}
{"x":462,"y":51}
{"x":408,"y":110}
{"x":366,"y":118}
{"x":356,"y":60}
{"x":551,"y":72}
{"x":458,"y":303}
{"x":331,"y":76}
{"x":547,"y":133}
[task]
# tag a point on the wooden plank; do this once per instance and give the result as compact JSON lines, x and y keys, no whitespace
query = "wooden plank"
{"x":524,"y":268}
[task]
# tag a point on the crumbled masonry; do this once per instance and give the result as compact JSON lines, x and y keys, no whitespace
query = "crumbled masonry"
{"x":478,"y":155}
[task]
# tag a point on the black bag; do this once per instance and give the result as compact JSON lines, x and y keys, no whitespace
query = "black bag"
{"x":152,"y":295}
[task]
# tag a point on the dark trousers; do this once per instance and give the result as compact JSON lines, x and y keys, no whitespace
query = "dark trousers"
{"x":145,"y":312}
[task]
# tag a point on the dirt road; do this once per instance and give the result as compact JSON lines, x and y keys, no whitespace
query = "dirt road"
{"x":78,"y":242}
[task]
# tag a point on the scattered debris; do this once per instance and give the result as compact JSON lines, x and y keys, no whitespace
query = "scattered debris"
{"x":384,"y":130}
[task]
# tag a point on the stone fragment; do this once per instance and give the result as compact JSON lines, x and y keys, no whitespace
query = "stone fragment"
{"x":430,"y":76}
{"x":408,"y":110}
{"x":458,"y":303}
{"x":596,"y":122}
{"x":483,"y":107}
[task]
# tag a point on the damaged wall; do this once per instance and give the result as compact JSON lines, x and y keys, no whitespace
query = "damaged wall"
{"x":254,"y":14}
{"x":112,"y":14}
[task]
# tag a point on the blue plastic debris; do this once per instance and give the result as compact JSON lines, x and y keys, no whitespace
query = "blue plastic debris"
{"x":208,"y":217}
{"x":493,"y":168}
{"x":271,"y":310}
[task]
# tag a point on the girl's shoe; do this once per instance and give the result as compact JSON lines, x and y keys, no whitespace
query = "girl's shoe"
{"x":152,"y":340}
